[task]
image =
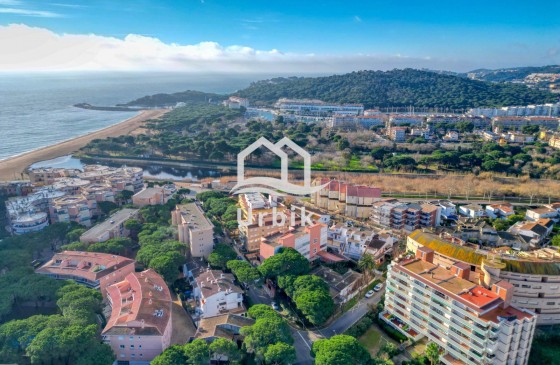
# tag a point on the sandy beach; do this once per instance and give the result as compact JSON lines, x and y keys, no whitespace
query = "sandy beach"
{"x":13,"y":167}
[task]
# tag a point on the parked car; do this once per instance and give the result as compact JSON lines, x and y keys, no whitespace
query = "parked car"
{"x":369,"y":294}
{"x":378,"y":287}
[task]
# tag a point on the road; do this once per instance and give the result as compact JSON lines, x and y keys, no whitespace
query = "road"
{"x":303,"y":339}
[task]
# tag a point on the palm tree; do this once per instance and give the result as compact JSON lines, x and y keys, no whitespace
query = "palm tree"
{"x":366,"y":265}
{"x":432,"y":353}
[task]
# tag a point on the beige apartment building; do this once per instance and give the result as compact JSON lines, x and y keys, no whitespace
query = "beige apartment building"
{"x":353,"y":201}
{"x":194,"y":229}
{"x":112,"y":227}
{"x":472,"y":324}
{"x":534,"y":275}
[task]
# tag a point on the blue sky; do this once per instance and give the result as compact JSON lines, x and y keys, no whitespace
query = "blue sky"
{"x":456,"y":35}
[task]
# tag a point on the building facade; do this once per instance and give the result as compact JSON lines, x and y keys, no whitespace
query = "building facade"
{"x":308,"y":241}
{"x":194,"y":229}
{"x":112,"y":227}
{"x":472,"y":324}
{"x":140,"y":325}
{"x":217,"y":294}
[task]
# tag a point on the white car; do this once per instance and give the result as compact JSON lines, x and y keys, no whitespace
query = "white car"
{"x":369,"y":294}
{"x":378,"y":287}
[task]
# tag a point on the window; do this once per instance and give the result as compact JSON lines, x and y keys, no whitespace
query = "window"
{"x":121,"y":346}
{"x":131,"y":338}
{"x":121,"y":337}
{"x":131,"y":346}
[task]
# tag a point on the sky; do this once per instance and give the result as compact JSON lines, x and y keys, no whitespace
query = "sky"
{"x":285,"y":36}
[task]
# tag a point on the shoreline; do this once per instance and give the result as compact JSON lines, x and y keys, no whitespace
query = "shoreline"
{"x":13,"y":168}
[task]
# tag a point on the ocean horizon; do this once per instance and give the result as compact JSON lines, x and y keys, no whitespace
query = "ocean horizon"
{"x":36,"y":110}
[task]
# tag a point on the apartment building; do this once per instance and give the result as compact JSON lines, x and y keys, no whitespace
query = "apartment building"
{"x":537,"y":231}
{"x":354,"y":242}
{"x":535,"y":275}
{"x":550,"y":110}
{"x":30,"y":213}
{"x":217,"y":294}
{"x":194,"y":229}
{"x":158,"y":195}
{"x":410,"y":119}
{"x":472,"y":324}
{"x":74,"y":208}
{"x":353,"y":201}
{"x":344,"y":121}
{"x":235,"y":102}
{"x":516,"y":122}
{"x":308,"y":241}
{"x":408,"y":216}
{"x":92,"y":269}
{"x":140,"y":325}
{"x":472,"y":210}
{"x":226,"y":326}
{"x":112,"y":227}
{"x":397,"y":134}
{"x":317,"y":107}
{"x":479,"y":122}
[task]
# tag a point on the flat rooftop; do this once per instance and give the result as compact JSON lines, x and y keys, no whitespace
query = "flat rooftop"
{"x":439,"y":276}
{"x":113,"y":221}
{"x":194,"y":216}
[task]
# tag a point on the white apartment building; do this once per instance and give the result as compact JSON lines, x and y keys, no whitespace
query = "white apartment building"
{"x":217,"y":294}
{"x":194,"y":229}
{"x":520,"y":111}
{"x":472,"y":324}
{"x":400,"y":119}
{"x":317,"y":107}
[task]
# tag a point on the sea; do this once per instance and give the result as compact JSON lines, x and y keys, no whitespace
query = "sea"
{"x":36,"y":110}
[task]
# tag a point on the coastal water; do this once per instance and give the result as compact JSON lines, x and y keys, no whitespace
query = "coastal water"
{"x":151,"y":171}
{"x":36,"y":110}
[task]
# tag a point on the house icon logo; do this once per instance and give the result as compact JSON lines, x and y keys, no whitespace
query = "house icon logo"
{"x":271,"y":185}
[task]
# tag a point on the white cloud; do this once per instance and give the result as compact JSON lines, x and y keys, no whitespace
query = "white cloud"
{"x":29,"y":12}
{"x":10,"y":2}
{"x":357,"y":19}
{"x":27,"y":48}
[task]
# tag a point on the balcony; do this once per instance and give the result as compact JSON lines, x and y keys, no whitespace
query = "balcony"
{"x":400,"y":325}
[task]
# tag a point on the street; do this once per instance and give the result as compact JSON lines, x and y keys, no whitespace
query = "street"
{"x":303,"y":339}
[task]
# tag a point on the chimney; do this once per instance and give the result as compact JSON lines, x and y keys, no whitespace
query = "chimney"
{"x":425,"y":254}
{"x":461,"y":270}
{"x":504,"y":291}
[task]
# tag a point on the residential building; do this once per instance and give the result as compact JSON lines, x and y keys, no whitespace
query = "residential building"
{"x":370,"y":112}
{"x":410,"y":119}
{"x":235,"y":102}
{"x":73,"y":208}
{"x":353,"y":201}
{"x":317,"y":107}
{"x":112,"y":227}
{"x":472,"y":324}
{"x":140,"y":325}
{"x":535,"y":275}
{"x":541,"y":212}
{"x":499,"y":210}
{"x":535,"y":110}
{"x":194,"y":229}
{"x":307,"y":240}
{"x":30,"y":213}
{"x":448,"y":210}
{"x":408,"y":216}
{"x":397,"y":134}
{"x":157,"y":195}
{"x":92,"y":269}
{"x":226,"y":326}
{"x":517,"y":122}
{"x":342,"y":287}
{"x":451,"y":136}
{"x":262,"y":222}
{"x":352,"y":121}
{"x":538,"y":231}
{"x":554,"y":142}
{"x":216,"y":294}
{"x":472,"y":210}
{"x":354,"y":242}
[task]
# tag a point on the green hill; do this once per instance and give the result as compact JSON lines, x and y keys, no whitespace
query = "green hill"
{"x":511,"y":74}
{"x":159,"y":100}
{"x":397,"y":88}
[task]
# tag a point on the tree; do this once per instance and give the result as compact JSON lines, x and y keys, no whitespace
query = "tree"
{"x":244,"y":271}
{"x":74,"y":235}
{"x":555,"y":240}
{"x":280,"y":353}
{"x":316,"y":305}
{"x":198,"y":352}
{"x":107,"y":207}
{"x":366,"y":265}
{"x":133,"y":225}
{"x":287,"y":262}
{"x":266,"y":331}
{"x":500,"y":224}
{"x":340,"y":350}
{"x":258,"y":311}
{"x":432,"y":353}
{"x":225,"y":350}
{"x":221,"y":255}
{"x":167,"y":265}
{"x":173,"y":355}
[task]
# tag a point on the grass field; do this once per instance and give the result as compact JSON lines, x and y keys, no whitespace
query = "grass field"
{"x":373,"y":339}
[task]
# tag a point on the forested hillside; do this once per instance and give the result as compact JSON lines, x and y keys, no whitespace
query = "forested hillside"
{"x":158,"y":100}
{"x":510,"y":74}
{"x":396,"y":88}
